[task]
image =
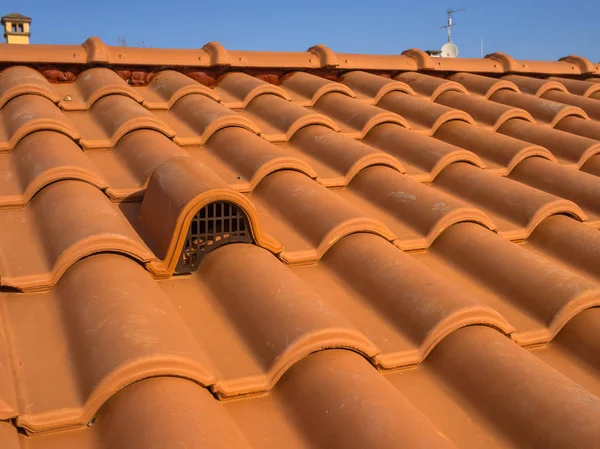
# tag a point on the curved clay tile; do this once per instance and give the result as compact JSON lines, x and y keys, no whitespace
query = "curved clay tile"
{"x":423,"y":157}
{"x":101,"y":298}
{"x":372,"y":87}
{"x":570,"y":242}
{"x":110,"y":118}
{"x":535,"y":86}
{"x":366,"y":417}
{"x":307,"y":218}
{"x":559,"y":412}
{"x":327,"y":57}
{"x":507,"y":62}
{"x":479,"y":65}
{"x":177,"y":189}
{"x":344,"y":155}
{"x":158,"y":57}
{"x":584,"y":65}
{"x":515,"y":208}
{"x":130,"y":164}
{"x":589,"y":105}
{"x":63,"y":223}
{"x":544,"y":111}
{"x":544,"y":68}
{"x":577,"y":186}
{"x":168,"y":86}
{"x":9,"y":405}
{"x":592,"y":165}
{"x":574,"y":337}
{"x":423,"y":60}
{"x":310,"y":88}
{"x":278,"y":60}
{"x":27,"y":114}
{"x":482,"y":85}
{"x":278,"y":330}
{"x":96,"y":50}
{"x":396,"y":301}
{"x":196,"y":117}
{"x":280,"y":119}
{"x":485,"y":112}
{"x":534,"y":294}
{"x":132,"y":420}
{"x":500,"y":153}
{"x":580,"y":127}
{"x":251,"y":157}
{"x":92,"y":85}
{"x":414,"y":212}
{"x":20,"y":80}
{"x":353,"y":61}
{"x":356,"y":117}
{"x":429,"y":86}
{"x":40,"y":159}
{"x":422,"y":114}
{"x":568,"y":148}
{"x":579,"y":87}
{"x":218,"y":54}
{"x":151,"y":412}
{"x":237,"y":89}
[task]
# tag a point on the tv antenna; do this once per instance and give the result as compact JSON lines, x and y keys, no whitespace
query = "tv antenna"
{"x":449,"y":25}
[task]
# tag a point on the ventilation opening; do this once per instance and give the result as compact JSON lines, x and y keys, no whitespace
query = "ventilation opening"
{"x":214,"y":225}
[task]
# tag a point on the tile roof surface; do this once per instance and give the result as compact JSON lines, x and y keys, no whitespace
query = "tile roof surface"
{"x":413,"y":249}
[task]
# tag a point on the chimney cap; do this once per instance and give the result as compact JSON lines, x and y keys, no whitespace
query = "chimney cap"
{"x":15,"y":16}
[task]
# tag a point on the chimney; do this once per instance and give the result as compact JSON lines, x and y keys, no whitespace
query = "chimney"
{"x":16,"y":28}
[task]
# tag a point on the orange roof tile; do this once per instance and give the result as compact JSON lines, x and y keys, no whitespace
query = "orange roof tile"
{"x":216,"y":248}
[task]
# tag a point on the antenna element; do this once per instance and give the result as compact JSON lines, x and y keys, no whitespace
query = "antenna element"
{"x":449,"y":25}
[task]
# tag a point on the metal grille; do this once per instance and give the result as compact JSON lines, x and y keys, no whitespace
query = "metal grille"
{"x":214,"y":225}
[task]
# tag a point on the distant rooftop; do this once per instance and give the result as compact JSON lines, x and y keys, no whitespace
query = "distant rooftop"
{"x":16,"y":15}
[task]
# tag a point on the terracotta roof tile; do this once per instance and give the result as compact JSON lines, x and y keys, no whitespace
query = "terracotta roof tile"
{"x":485,"y":86}
{"x":356,"y":119}
{"x":486,"y":113}
{"x":580,"y":127}
{"x":587,"y":88}
{"x":193,"y":128}
{"x":515,"y":207}
{"x":28,"y":113}
{"x":112,"y":117}
{"x":85,"y":372}
{"x":500,"y":153}
{"x":535,"y":86}
{"x":308,"y":89}
{"x":279,"y":119}
{"x":39,"y":159}
{"x":423,"y":157}
{"x":421,"y":114}
{"x":566,"y":147}
{"x":168,"y":86}
{"x":429,"y":86}
{"x":236,"y":90}
{"x":213,"y":247}
{"x":92,"y":85}
{"x":20,"y":80}
{"x":65,"y":221}
{"x":535,"y":295}
{"x":342,"y":158}
{"x":543,"y":111}
{"x":370,"y":87}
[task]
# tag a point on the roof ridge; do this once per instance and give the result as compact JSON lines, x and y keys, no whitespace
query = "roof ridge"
{"x":213,"y":54}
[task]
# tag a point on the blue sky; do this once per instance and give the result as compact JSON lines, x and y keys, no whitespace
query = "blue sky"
{"x":525,"y":29}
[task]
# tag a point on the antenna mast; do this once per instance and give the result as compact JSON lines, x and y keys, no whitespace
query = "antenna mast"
{"x":449,"y":25}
